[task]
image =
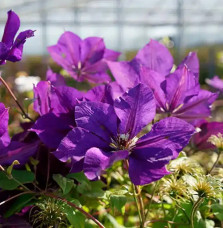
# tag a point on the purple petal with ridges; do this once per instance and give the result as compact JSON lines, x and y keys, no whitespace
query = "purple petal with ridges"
{"x":111,"y":55}
{"x":76,"y":143}
{"x":156,"y":57}
{"x":4,"y":118}
{"x":92,"y":50}
{"x":97,"y":160}
{"x":16,"y":51}
{"x":170,"y":133}
{"x":54,"y":78}
{"x":215,"y":82}
{"x":192,"y":62}
{"x":51,"y":129}
{"x":135,"y":109}
{"x":11,"y":28}
{"x":97,"y":117}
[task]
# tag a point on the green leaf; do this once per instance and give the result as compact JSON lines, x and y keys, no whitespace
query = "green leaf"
{"x":118,"y":202}
{"x":76,"y":218}
{"x":21,"y":176}
{"x":80,"y":177}
{"x":218,"y":211}
{"x":18,"y":204}
{"x":64,"y":183}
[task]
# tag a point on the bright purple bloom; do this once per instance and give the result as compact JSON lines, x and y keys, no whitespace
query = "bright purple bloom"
{"x":56,"y":105}
{"x":177,"y":94}
{"x":83,"y":59}
{"x":4,"y":136}
{"x":106,"y":133}
{"x":216,"y":83}
{"x":11,"y":49}
{"x":15,"y":149}
{"x":200,"y":139}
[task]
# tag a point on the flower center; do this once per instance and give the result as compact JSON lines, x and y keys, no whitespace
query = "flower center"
{"x":122,"y":142}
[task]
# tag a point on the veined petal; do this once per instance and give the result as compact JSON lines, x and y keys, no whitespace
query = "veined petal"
{"x":54,"y":78}
{"x":148,"y":169}
{"x":124,"y":74}
{"x":97,"y":160}
{"x":4,"y":117}
{"x":76,"y":144}
{"x":156,"y":57}
{"x":16,"y":51}
{"x":135,"y":109}
{"x":11,"y":28}
{"x":172,"y":133}
{"x":51,"y":128}
{"x":191,"y":62}
{"x":98,"y":118}
{"x":197,"y":107}
{"x":92,"y":50}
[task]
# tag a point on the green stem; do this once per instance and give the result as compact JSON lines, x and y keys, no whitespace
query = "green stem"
{"x":141,"y":205}
{"x":24,"y":114}
{"x":194,"y":210}
{"x":216,"y":162}
{"x":150,"y":202}
{"x":137,"y":204}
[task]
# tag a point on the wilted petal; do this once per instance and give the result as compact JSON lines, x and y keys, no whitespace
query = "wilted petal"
{"x":156,"y":57}
{"x":16,"y":51}
{"x":97,"y":160}
{"x":97,"y":117}
{"x":148,"y":164}
{"x":172,"y":133}
{"x":76,"y":144}
{"x":11,"y":28}
{"x":51,"y":129}
{"x":135,"y":109}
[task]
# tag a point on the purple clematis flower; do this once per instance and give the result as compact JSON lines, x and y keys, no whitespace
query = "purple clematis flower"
{"x":177,"y":94}
{"x":15,"y":149}
{"x":200,"y":139}
{"x":55,"y":102}
{"x":83,"y":59}
{"x":107,"y":133}
{"x":11,"y":49}
{"x":216,"y":83}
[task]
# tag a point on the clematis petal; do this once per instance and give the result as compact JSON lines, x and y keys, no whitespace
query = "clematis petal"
{"x":54,"y":78}
{"x":97,"y":160}
{"x":156,"y":57}
{"x":4,"y":118}
{"x":197,"y":107}
{"x":97,"y":117}
{"x":135,"y":109}
{"x":191,"y":62}
{"x":16,"y":51}
{"x":111,"y":55}
{"x":172,"y":133}
{"x":200,"y":139}
{"x":124,"y":73}
{"x":18,"y":151}
{"x":3,"y":53}
{"x":76,"y":143}
{"x":216,"y":83}
{"x":11,"y":28}
{"x":177,"y":86}
{"x":51,"y":128}
{"x":148,"y":164}
{"x":92,"y":50}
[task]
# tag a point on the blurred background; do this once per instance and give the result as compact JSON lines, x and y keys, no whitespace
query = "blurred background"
{"x":125,"y":25}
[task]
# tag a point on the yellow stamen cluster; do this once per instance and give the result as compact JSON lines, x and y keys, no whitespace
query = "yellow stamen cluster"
{"x":217,"y":140}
